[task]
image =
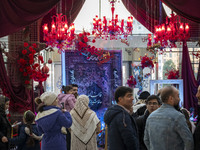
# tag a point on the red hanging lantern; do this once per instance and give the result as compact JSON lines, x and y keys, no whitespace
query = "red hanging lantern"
{"x":45,"y":69}
{"x":50,"y":61}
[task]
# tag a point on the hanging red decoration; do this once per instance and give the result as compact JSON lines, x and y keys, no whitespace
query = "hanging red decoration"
{"x":147,"y":62}
{"x":45,"y":69}
{"x":28,"y":66}
{"x":131,"y":82}
{"x":83,"y":46}
{"x":172,"y":74}
{"x":60,"y":35}
{"x":171,"y":31}
{"x":50,"y":61}
{"x":112,"y":28}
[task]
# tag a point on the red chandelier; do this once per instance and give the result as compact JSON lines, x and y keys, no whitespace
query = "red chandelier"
{"x":60,"y":35}
{"x":113,"y":28}
{"x":171,"y":31}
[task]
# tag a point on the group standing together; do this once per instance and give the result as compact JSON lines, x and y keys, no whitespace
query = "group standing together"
{"x":65,"y":122}
{"x":154,"y":123}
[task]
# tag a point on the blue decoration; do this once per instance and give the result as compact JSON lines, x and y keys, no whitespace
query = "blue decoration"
{"x":138,"y":75}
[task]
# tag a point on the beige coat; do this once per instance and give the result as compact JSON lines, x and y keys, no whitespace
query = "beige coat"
{"x":85,"y":126}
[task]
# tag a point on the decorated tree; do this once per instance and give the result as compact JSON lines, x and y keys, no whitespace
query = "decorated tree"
{"x":168,"y":65}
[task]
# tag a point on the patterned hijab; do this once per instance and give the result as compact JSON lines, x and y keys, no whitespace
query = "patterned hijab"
{"x":3,"y":101}
{"x":81,"y":105}
{"x":84,"y":119}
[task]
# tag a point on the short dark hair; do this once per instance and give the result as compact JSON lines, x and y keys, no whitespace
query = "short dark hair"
{"x":68,"y":88}
{"x":154,"y":97}
{"x":74,"y":85}
{"x":166,"y":92}
{"x":121,"y":92}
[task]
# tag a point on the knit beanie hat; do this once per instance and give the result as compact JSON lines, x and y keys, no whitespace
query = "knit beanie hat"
{"x":48,"y":98}
{"x":144,"y":95}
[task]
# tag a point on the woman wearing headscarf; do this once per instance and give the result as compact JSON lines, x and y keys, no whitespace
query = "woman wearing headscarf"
{"x":5,"y":127}
{"x":50,"y":119}
{"x":85,"y":126}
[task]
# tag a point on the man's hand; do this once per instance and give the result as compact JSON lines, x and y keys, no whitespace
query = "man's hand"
{"x":4,"y":139}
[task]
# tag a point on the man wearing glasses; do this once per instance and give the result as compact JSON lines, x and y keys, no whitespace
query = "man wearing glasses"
{"x":166,"y":128}
{"x":153,"y":102}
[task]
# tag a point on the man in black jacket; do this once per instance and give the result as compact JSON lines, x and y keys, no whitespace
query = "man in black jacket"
{"x":153,"y":102}
{"x":122,"y":129}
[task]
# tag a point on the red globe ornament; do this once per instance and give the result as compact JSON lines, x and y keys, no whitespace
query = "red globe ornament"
{"x":50,"y":61}
{"x":45,"y":69}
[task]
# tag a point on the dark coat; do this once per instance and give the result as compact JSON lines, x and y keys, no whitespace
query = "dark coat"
{"x":122,"y":129}
{"x":5,"y":130}
{"x":22,"y":138}
{"x":197,"y":137}
{"x":141,"y":110}
{"x":141,"y":122}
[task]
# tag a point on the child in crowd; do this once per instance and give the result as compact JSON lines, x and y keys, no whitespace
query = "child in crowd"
{"x":28,"y":137}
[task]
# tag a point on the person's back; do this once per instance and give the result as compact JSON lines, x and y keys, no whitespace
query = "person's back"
{"x":166,"y":128}
{"x":23,"y":137}
{"x":50,"y":119}
{"x":85,"y":126}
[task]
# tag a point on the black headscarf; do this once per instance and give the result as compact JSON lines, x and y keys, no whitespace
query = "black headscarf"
{"x":3,"y":101}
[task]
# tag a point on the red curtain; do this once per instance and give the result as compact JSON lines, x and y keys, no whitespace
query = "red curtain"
{"x":186,"y":8}
{"x":15,"y":14}
{"x":190,"y":85}
{"x":147,"y":12}
{"x":21,"y":98}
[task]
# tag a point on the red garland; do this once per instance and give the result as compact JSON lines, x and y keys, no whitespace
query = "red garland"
{"x":131,"y":82}
{"x":172,"y":74}
{"x":83,"y":46}
{"x":146,"y":62}
{"x":28,"y":68}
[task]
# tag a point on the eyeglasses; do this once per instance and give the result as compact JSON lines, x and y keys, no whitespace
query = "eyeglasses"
{"x":152,"y":103}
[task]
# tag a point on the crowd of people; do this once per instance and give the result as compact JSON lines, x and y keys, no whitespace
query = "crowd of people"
{"x":155,"y":122}
{"x":65,"y":121}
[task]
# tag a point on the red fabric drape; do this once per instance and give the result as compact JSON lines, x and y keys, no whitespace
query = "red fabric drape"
{"x":186,"y":8}
{"x":190,"y":85}
{"x":20,"y":96}
{"x":15,"y":14}
{"x":146,"y":12}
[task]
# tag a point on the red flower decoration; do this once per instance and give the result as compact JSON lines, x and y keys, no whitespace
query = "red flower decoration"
{"x":34,"y":45}
{"x":25,"y":44}
{"x":27,"y":67}
{"x":21,"y":69}
{"x":172,"y":74}
{"x":24,"y":52}
{"x":131,"y":82}
{"x":27,"y":82}
{"x":25,"y":74}
{"x":31,"y":49}
{"x":146,"y":62}
{"x":41,"y":58}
